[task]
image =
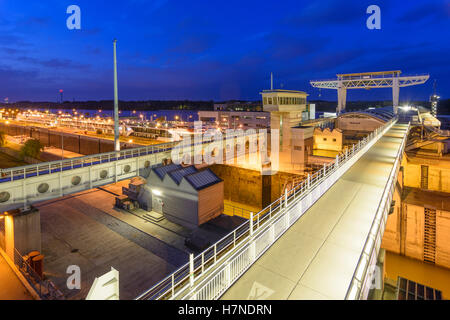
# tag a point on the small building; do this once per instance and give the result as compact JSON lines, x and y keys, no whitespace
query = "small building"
{"x":235,"y":119}
{"x":327,"y":139}
{"x":185,"y":195}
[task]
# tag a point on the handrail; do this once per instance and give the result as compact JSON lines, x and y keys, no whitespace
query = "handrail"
{"x":357,"y":283}
{"x":22,"y":172}
{"x":176,"y":283}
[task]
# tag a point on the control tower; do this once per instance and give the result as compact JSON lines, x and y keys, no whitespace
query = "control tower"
{"x":286,"y":109}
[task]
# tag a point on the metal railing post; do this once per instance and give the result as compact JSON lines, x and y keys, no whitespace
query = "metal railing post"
{"x":191,"y":269}
{"x":251,"y":223}
{"x":173,"y":284}
{"x":228,"y":274}
{"x":272,"y":233}
{"x":203,"y":261}
{"x":285,"y":198}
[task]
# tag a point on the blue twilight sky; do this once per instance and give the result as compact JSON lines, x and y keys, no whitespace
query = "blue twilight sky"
{"x":216,"y":49}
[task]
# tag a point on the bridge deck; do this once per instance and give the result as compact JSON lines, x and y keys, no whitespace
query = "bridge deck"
{"x":317,"y":256}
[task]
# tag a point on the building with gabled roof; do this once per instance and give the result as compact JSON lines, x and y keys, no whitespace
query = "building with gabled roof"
{"x":184,"y":195}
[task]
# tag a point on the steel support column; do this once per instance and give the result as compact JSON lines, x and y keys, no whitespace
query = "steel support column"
{"x":395,"y":93}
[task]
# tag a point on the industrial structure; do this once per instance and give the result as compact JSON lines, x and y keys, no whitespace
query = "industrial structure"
{"x":369,"y":80}
{"x":318,"y":220}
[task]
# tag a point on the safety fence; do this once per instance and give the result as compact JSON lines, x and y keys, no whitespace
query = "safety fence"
{"x":43,"y":287}
{"x":233,"y":210}
{"x":34,"y":170}
{"x":225,"y":261}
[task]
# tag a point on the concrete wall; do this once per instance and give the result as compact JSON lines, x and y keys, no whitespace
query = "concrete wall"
{"x":302,"y":144}
{"x":327,"y":139}
{"x":443,"y":238}
{"x":358,"y":123}
{"x":246,"y":186}
{"x":404,"y":233}
{"x":27,"y":231}
{"x":22,"y":232}
{"x":438,"y":172}
{"x":16,"y":154}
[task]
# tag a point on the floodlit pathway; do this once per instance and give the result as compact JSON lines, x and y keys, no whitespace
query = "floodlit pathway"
{"x":317,"y":256}
{"x":11,"y":288}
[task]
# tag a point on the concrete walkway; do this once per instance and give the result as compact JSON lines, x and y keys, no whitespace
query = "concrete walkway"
{"x":317,"y":256}
{"x":11,"y":288}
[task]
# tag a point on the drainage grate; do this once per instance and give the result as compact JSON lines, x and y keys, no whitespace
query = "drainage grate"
{"x":410,"y":290}
{"x":429,"y":236}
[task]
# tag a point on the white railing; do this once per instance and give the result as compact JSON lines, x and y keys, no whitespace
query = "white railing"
{"x":33,"y":170}
{"x":223,"y":263}
{"x":363,"y":275}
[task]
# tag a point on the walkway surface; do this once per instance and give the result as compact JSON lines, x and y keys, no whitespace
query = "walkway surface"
{"x":317,"y":256}
{"x":11,"y":288}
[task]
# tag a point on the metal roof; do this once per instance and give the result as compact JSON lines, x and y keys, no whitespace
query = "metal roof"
{"x":384,"y":113}
{"x":162,"y":170}
{"x":202,"y":179}
{"x":178,"y":174}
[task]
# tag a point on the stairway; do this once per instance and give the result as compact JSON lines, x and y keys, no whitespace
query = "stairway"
{"x":429,"y":239}
{"x":152,"y":216}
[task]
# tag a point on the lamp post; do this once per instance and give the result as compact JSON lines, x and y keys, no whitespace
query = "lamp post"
{"x":116,"y":103}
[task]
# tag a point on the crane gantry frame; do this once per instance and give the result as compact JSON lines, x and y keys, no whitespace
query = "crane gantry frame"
{"x":369,"y":80}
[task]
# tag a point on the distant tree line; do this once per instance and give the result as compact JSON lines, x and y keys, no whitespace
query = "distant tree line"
{"x":149,"y":105}
{"x":153,"y":105}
